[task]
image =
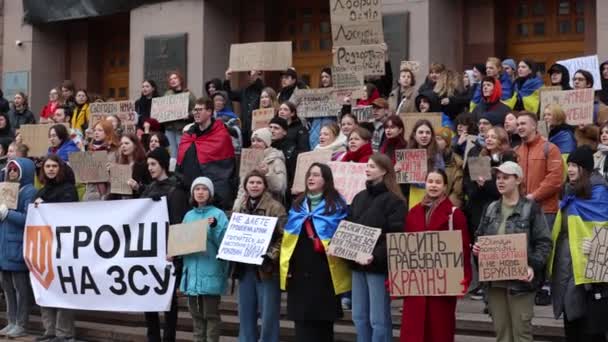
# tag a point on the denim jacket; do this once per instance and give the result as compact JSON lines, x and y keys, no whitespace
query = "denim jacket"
{"x":528,"y":218}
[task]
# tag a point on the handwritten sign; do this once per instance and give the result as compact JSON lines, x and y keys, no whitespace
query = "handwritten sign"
{"x":410,"y":119}
{"x":413,"y":66}
{"x":314,"y":103}
{"x":349,"y":178}
{"x":9,"y":194}
{"x":503,"y":257}
{"x":36,"y":138}
{"x":596,"y":268}
{"x":170,"y":107}
{"x":589,"y":63}
{"x":347,"y":83}
{"x":125,"y":110}
{"x":425,"y":263}
{"x":354,"y":241}
{"x":247,"y":238}
{"x":187,"y":238}
{"x":356,"y":22}
{"x":260,"y":56}
{"x":363,"y":113}
{"x":480,"y":167}
{"x":305,"y":160}
{"x":260,"y":118}
{"x":577,"y":104}
{"x":413,"y":165}
{"x":250,"y":159}
{"x":90,"y":167}
{"x":364,"y":59}
{"x":119,"y":176}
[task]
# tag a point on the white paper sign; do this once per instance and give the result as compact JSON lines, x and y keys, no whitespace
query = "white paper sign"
{"x":247,"y":238}
{"x":589,"y":63}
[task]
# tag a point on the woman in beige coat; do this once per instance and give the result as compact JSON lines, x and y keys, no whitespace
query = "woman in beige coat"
{"x":403,"y":97}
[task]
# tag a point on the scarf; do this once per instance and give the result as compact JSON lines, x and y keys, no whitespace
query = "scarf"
{"x":430,"y":204}
{"x":602,"y":148}
{"x":391,"y":145}
{"x":325,"y":224}
{"x":361,"y":155}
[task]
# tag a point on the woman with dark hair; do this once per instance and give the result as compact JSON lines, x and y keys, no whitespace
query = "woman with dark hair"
{"x":403,"y":96}
{"x":61,"y":143}
{"x":586,"y":134}
{"x":157,"y":139}
{"x":313,"y":280}
{"x":80,"y":116}
{"x":150,"y":126}
{"x":131,"y":152}
{"x":599,"y":157}
{"x":582,"y":302}
{"x":381,"y":205}
{"x":602,"y":94}
{"x":143,"y":105}
{"x":359,"y":146}
{"x":20,"y":114}
{"x":393,"y":130}
{"x":296,"y":131}
{"x":68,"y":90}
{"x":423,"y":136}
{"x":527,"y":85}
{"x":434,"y":213}
{"x":5,"y":127}
{"x":560,"y":76}
{"x":315,"y":125}
{"x":176,"y":84}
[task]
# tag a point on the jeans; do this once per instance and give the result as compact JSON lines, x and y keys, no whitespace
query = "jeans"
{"x":16,"y":286}
{"x":266,"y":295}
{"x":58,"y":322}
{"x":371,"y":308}
{"x":174,"y":136}
{"x":206,"y":321}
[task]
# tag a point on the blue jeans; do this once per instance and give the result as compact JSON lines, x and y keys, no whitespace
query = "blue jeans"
{"x":174,"y":136}
{"x":371,"y":308}
{"x":266,"y":295}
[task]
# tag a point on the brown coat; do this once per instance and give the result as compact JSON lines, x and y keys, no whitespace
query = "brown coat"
{"x":543,"y":171}
{"x":454,"y":170}
{"x":410,"y":100}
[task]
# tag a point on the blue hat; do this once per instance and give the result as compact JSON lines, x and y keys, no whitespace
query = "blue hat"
{"x":510,"y":62}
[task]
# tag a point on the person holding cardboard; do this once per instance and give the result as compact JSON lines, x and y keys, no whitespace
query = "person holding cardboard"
{"x":511,"y":302}
{"x":176,"y":84}
{"x":104,"y":139}
{"x":248,"y":97}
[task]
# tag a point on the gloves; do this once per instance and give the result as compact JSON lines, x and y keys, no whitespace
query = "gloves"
{"x":3,"y":212}
{"x":586,"y":246}
{"x":156,"y":198}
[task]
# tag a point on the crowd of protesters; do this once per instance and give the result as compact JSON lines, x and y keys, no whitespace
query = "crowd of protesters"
{"x":491,"y":110}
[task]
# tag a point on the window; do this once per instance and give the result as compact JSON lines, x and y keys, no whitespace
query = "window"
{"x":325,"y":27}
{"x":539,"y":9}
{"x":305,"y":45}
{"x":564,"y":26}
{"x":580,"y":25}
{"x":522,"y":30}
{"x":306,"y":27}
{"x":580,"y":7}
{"x":539,"y":29}
{"x":522,"y":10}
{"x":563,"y":7}
{"x":122,"y":92}
{"x":325,"y":44}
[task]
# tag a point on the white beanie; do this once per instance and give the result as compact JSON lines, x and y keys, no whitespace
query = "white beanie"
{"x":202,"y":181}
{"x":263,"y":134}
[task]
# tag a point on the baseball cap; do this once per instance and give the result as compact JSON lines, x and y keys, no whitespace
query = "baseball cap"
{"x":380,"y":102}
{"x":510,"y":168}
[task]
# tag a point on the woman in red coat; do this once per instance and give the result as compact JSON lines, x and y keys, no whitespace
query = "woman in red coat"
{"x":427,"y":318}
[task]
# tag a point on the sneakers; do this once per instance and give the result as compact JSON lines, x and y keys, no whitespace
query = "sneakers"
{"x":6,"y":329}
{"x":45,"y":338}
{"x":476,"y":294}
{"x":62,"y":339}
{"x":16,"y":331}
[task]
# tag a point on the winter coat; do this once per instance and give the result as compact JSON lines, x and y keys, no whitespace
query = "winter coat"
{"x":53,"y":192}
{"x":143,"y":107}
{"x":267,"y":206}
{"x":377,"y":207}
{"x":384,"y":83}
{"x":276,"y":177}
{"x":249,"y":98}
{"x":543,"y":169}
{"x":562,"y":136}
{"x":204,"y":273}
{"x":297,"y":133}
{"x":406,"y":99}
{"x":177,"y":196}
{"x":454,"y":170}
{"x":528,"y":218}
{"x":80,"y":117}
{"x":48,"y":110}
{"x":417,"y":309}
{"x":12,"y":227}
{"x":99,"y":191}
{"x":209,"y":153}
{"x":599,"y":161}
{"x":179,"y":125}
{"x":64,"y":150}
{"x":18,"y":118}
{"x":4,"y":104}
{"x":7,"y":131}
{"x":491,"y":107}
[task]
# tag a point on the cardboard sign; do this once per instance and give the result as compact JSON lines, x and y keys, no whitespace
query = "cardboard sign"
{"x":364,"y":59}
{"x":125,"y":110}
{"x":260,"y":118}
{"x":36,"y":138}
{"x":598,"y":258}
{"x":247,"y":238}
{"x":480,"y":167}
{"x":315,"y":103}
{"x":356,"y":22}
{"x":426,"y":263}
{"x":354,"y":241}
{"x":363,"y":113}
{"x":413,"y":164}
{"x":577,"y":104}
{"x":260,"y":56}
{"x":187,"y":238}
{"x":349,"y":178}
{"x":250,"y":159}
{"x":305,"y":160}
{"x":589,"y":63}
{"x":90,"y":167}
{"x":119,"y":176}
{"x":9,"y":194}
{"x":347,"y":83}
{"x":414,"y":66}
{"x":170,"y":108}
{"x":410,"y":119}
{"x":503,"y":257}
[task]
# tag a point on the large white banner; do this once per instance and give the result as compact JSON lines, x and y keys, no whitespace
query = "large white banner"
{"x":103,"y":255}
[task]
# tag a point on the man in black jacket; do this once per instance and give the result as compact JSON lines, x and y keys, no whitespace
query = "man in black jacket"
{"x":248,"y":97}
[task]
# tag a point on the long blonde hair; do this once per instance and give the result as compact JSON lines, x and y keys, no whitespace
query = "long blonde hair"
{"x":448,"y":84}
{"x":273,"y":98}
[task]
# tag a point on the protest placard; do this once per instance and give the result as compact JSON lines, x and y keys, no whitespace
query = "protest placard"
{"x":347,"y":84}
{"x":480,"y":167}
{"x":503,"y":257}
{"x":250,"y":159}
{"x":260,"y":56}
{"x":356,"y":22}
{"x":36,"y":138}
{"x":363,"y":113}
{"x":410,"y":119}
{"x":426,"y":263}
{"x":305,"y":160}
{"x":90,"y":167}
{"x":413,"y":66}
{"x":412,"y":164}
{"x":125,"y":110}
{"x":349,"y":178}
{"x":170,"y":107}
{"x":100,"y":255}
{"x":187,"y":238}
{"x":260,"y":118}
{"x":365,"y":59}
{"x":589,"y":63}
{"x":596,"y":268}
{"x":314,"y":103}
{"x":9,"y":194}
{"x":577,"y":104}
{"x":119,"y":176}
{"x":247,"y":238}
{"x":354,"y":241}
